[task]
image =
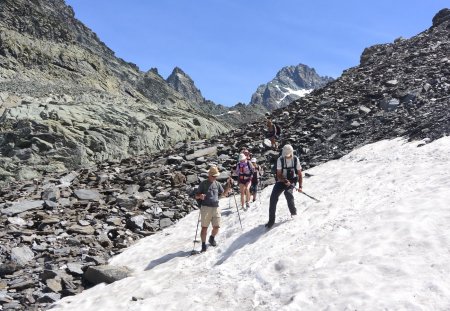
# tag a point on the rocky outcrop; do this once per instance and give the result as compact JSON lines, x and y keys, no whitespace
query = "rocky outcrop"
{"x":66,"y":101}
{"x":290,"y":83}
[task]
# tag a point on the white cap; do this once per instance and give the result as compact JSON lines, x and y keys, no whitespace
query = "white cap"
{"x":287,"y":150}
{"x":253,"y":160}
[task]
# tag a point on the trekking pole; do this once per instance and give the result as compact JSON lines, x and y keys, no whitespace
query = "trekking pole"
{"x":310,"y":196}
{"x":196,"y":231}
{"x":239,"y":215}
{"x":258,"y":192}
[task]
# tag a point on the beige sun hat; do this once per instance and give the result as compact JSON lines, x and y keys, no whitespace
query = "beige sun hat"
{"x":242,"y":157}
{"x":287,"y":150}
{"x":213,"y":171}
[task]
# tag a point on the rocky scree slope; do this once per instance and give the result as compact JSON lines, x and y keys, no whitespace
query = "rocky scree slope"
{"x":66,"y":101}
{"x":400,"y":89}
{"x":57,"y":233}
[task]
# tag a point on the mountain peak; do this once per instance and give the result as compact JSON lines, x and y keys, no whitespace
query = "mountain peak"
{"x":290,"y":83}
{"x":178,"y":70}
{"x":441,"y":16}
{"x":183,"y":84}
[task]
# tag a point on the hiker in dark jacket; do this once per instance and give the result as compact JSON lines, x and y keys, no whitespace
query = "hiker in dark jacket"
{"x":208,"y":192}
{"x":289,"y":172}
{"x":257,"y":172}
{"x":272,"y":134}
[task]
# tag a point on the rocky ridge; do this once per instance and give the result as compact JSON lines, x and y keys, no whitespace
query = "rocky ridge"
{"x":68,"y":224}
{"x":236,"y":115}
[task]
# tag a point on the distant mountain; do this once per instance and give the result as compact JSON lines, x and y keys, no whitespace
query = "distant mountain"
{"x":290,"y":83}
{"x":235,"y":115}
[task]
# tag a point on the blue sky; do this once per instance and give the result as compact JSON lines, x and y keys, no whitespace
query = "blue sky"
{"x":230,"y":47}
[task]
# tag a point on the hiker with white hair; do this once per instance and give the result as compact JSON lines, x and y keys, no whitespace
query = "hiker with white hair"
{"x":289,"y":172}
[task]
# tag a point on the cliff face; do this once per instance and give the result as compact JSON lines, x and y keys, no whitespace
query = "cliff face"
{"x":66,"y":100}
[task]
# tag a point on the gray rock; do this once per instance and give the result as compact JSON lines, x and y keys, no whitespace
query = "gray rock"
{"x":165,"y":222}
{"x":8,"y":268}
{"x":191,"y":179}
{"x":22,"y":255}
{"x":136,"y":222}
{"x":87,"y":230}
{"x":364,"y":109}
{"x":201,"y":153}
{"x":162,"y":196}
{"x":54,"y":285}
{"x":48,"y":297}
{"x":20,"y":207}
{"x":75,"y":268}
{"x":17,"y":221}
{"x":105,"y":274}
{"x":130,"y":203}
{"x":85,"y":194}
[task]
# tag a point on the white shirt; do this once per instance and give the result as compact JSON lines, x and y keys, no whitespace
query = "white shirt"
{"x":289,"y":163}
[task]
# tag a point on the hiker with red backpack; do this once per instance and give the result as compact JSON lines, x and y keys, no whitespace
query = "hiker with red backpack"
{"x":244,"y":171}
{"x":273,"y":133}
{"x":288,"y":173}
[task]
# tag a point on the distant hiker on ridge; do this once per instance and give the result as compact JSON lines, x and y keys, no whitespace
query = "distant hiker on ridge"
{"x":208,"y":192}
{"x":289,"y":172}
{"x":273,"y":133}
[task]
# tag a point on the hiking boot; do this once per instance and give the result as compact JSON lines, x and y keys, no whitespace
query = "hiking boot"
{"x":269,"y":225}
{"x":212,"y":241}
{"x":204,"y":247}
{"x":247,"y":205}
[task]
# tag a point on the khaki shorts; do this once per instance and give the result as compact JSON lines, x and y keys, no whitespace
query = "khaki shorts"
{"x":210,"y":215}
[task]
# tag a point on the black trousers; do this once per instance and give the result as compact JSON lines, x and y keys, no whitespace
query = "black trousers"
{"x":288,"y":193}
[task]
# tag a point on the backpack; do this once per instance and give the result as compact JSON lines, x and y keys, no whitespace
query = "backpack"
{"x":283,"y":166}
{"x":245,"y":177}
{"x":277,"y":129}
{"x":256,"y":175}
